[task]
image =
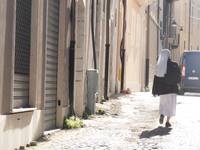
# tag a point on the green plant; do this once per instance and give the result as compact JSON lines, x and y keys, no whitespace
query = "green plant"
{"x":100,"y":111}
{"x":147,"y":88}
{"x":72,"y":122}
{"x":103,"y":99}
{"x":87,"y":110}
{"x":85,"y":115}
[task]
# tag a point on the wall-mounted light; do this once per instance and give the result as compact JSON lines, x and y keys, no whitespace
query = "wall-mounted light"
{"x":174,"y":24}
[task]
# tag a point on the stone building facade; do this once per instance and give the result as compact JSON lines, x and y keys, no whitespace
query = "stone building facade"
{"x":46,"y":48}
{"x":187,"y":17}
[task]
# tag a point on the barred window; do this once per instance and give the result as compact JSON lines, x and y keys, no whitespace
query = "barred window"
{"x":22,"y":36}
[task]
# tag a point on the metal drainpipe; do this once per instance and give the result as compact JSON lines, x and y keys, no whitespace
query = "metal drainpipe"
{"x":189,"y":26}
{"x":164,"y":24}
{"x":123,"y":50}
{"x":147,"y":50}
{"x":71,"y":60}
{"x":158,"y":29}
{"x":107,"y":51}
{"x":93,"y":41}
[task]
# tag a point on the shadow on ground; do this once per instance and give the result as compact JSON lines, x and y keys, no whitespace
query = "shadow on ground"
{"x":158,"y":131}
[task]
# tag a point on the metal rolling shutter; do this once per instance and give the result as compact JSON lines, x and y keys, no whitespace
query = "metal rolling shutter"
{"x":51,"y":64}
{"x":22,"y":54}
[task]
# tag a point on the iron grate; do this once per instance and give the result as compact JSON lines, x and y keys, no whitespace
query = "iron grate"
{"x":22,"y":36}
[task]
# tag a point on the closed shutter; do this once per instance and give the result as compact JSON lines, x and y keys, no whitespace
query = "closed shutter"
{"x":22,"y":54}
{"x":51,"y":64}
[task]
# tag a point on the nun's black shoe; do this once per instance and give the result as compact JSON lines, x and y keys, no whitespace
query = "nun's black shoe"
{"x":161,"y":119}
{"x":167,"y":125}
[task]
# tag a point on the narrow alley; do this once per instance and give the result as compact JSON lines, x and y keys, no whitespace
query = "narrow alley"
{"x":131,"y":122}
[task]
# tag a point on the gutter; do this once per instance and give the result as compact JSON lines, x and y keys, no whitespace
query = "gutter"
{"x":107,"y":51}
{"x":93,"y":41}
{"x":123,"y":50}
{"x":71,"y":60}
{"x":147,"y":50}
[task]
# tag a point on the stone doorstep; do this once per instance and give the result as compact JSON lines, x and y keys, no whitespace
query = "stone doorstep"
{"x":51,"y":131}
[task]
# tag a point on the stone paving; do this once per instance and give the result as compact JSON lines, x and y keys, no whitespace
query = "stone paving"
{"x":131,"y":123}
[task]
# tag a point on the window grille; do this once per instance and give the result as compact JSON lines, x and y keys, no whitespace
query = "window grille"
{"x":22,"y":36}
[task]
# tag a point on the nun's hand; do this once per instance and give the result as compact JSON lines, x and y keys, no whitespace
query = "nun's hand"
{"x":154,"y":95}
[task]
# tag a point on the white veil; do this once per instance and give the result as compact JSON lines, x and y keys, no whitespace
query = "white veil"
{"x":161,"y":66}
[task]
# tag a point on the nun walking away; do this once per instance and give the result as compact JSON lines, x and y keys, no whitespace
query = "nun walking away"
{"x":167,"y":93}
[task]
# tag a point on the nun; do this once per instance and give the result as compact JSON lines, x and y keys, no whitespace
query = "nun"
{"x":167,"y":93}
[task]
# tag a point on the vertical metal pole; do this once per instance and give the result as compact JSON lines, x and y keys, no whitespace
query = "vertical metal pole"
{"x":189,"y":26}
{"x":93,"y":40}
{"x":147,"y":73}
{"x":158,"y":30}
{"x":71,"y":60}
{"x":164,"y":23}
{"x":71,"y":77}
{"x":122,"y":73}
{"x":123,"y":47}
{"x":148,"y":42}
{"x":107,"y":51}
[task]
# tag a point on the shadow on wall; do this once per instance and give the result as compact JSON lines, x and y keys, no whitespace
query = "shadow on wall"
{"x":22,"y":128}
{"x":161,"y":131}
{"x":17,"y":128}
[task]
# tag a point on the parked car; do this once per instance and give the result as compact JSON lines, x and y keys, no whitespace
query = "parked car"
{"x":190,"y":68}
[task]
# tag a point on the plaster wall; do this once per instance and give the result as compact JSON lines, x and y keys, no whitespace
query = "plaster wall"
{"x":20,"y":129}
{"x":100,"y":46}
{"x":3,"y":6}
{"x":80,"y":58}
{"x":119,"y":39}
{"x":113,"y":47}
{"x":6,"y":67}
{"x":182,"y":18}
{"x":135,"y":49}
{"x":63,"y":62}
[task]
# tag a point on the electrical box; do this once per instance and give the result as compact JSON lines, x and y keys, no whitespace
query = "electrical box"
{"x":92,"y":88}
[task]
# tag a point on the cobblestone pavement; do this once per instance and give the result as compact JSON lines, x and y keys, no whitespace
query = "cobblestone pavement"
{"x":131,"y":123}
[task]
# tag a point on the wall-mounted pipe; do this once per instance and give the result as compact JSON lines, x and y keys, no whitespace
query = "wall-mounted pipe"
{"x":164,"y":24}
{"x":158,"y":28}
{"x":148,"y":46}
{"x":107,"y":51}
{"x":189,"y":26}
{"x":123,"y":50}
{"x":71,"y":59}
{"x":93,"y":41}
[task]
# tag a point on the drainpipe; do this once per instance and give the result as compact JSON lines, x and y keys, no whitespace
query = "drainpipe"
{"x":158,"y":29}
{"x":122,"y":50}
{"x":189,"y":26}
{"x":107,"y":51}
{"x":93,"y":41}
{"x":148,"y":44}
{"x":71,"y":60}
{"x":164,"y":24}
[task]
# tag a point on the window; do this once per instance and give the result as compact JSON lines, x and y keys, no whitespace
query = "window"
{"x":192,"y":19}
{"x":133,"y":27}
{"x":22,"y":54}
{"x":161,"y":26}
{"x":138,"y":31}
{"x":198,"y":18}
{"x":184,"y":44}
{"x":120,"y":7}
{"x":116,"y":14}
{"x":185,"y":16}
{"x":104,"y":6}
